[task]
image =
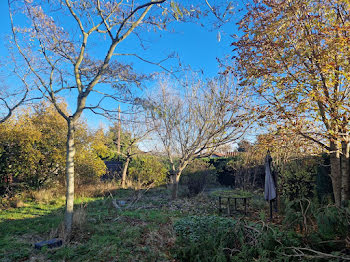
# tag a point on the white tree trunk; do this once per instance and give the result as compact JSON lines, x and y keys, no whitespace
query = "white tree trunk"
{"x":68,"y":218}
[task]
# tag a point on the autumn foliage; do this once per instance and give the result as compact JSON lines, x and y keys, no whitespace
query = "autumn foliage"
{"x":32,"y":150}
{"x":295,"y":57}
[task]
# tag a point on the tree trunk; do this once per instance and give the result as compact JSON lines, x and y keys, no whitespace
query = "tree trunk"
{"x":68,"y":218}
{"x":125,"y":169}
{"x":176,"y":178}
{"x":335,"y":172}
{"x":175,"y":184}
{"x":345,"y":171}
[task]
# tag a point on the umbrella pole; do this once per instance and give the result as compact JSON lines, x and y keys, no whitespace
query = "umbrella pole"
{"x":277,"y":195}
{"x":270,"y":209}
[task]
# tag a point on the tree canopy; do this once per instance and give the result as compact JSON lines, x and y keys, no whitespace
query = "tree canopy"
{"x":295,"y":56}
{"x":196,"y":120}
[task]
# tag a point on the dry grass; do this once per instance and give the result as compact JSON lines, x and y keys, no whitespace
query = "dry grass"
{"x":60,"y":233}
{"x":50,"y":195}
{"x":78,"y":227}
{"x":162,"y":238}
{"x":16,"y":203}
{"x":99,"y":189}
{"x":46,"y":195}
{"x":43,"y":195}
{"x":79,"y":217}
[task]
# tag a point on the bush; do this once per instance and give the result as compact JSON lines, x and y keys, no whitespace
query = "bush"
{"x":213,"y":238}
{"x":89,"y":167}
{"x":298,"y":179}
{"x":225,"y":171}
{"x":324,"y":228}
{"x":33,"y":149}
{"x":147,"y":170}
{"x":299,"y":215}
{"x":323,"y":180}
{"x":197,"y":176}
{"x":203,"y":238}
{"x":333,"y":222}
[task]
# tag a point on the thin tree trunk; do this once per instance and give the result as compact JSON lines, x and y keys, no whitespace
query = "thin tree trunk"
{"x":125,"y":169}
{"x":175,"y":184}
{"x":176,"y":178}
{"x":254,"y":177}
{"x":345,"y":171}
{"x":68,"y":218}
{"x":119,"y":128}
{"x":335,"y":172}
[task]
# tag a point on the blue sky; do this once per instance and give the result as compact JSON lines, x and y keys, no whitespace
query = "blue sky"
{"x":195,"y":45}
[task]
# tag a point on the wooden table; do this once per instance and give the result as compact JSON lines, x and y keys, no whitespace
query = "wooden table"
{"x":228,"y":203}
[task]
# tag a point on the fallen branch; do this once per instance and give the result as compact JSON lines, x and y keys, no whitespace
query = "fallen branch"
{"x":300,"y":252}
{"x":140,"y":193}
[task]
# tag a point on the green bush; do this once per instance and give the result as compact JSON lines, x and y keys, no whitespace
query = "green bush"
{"x":324,"y":228}
{"x":323,"y":180}
{"x":299,"y":215}
{"x":225,"y":169}
{"x":333,"y":222}
{"x":198,"y":175}
{"x":213,"y":238}
{"x":204,"y":238}
{"x":298,"y":179}
{"x":147,"y":170}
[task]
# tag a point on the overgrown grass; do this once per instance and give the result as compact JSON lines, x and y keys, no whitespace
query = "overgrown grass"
{"x":100,"y":232}
{"x":144,"y":230}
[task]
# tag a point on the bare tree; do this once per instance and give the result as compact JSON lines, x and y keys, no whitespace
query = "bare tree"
{"x":13,"y":93}
{"x":9,"y":102}
{"x":133,"y":131}
{"x":70,"y":49}
{"x":196,"y":120}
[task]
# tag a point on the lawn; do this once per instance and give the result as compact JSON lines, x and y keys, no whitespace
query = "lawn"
{"x":141,"y":232}
{"x":115,"y":227}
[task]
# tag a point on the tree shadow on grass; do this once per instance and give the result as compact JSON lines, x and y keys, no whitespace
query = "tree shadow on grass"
{"x":101,"y":233}
{"x":18,"y":235}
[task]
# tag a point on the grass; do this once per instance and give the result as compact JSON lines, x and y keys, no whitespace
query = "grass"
{"x":100,"y":233}
{"x":142,"y":232}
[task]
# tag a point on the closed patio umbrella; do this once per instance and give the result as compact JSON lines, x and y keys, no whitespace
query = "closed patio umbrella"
{"x":270,"y":187}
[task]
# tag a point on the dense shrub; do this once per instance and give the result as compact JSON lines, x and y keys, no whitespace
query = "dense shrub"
{"x":333,"y":222}
{"x":322,"y":237}
{"x":298,"y":178}
{"x":33,"y":149}
{"x":325,"y":228}
{"x":299,"y":215}
{"x":198,"y":175}
{"x":146,"y":170}
{"x":89,"y":168}
{"x":323,"y":180}
{"x":204,"y":238}
{"x":213,"y":238}
{"x":225,"y":171}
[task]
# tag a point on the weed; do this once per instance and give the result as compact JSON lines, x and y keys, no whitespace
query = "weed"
{"x":79,"y":217}
{"x":46,"y":196}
